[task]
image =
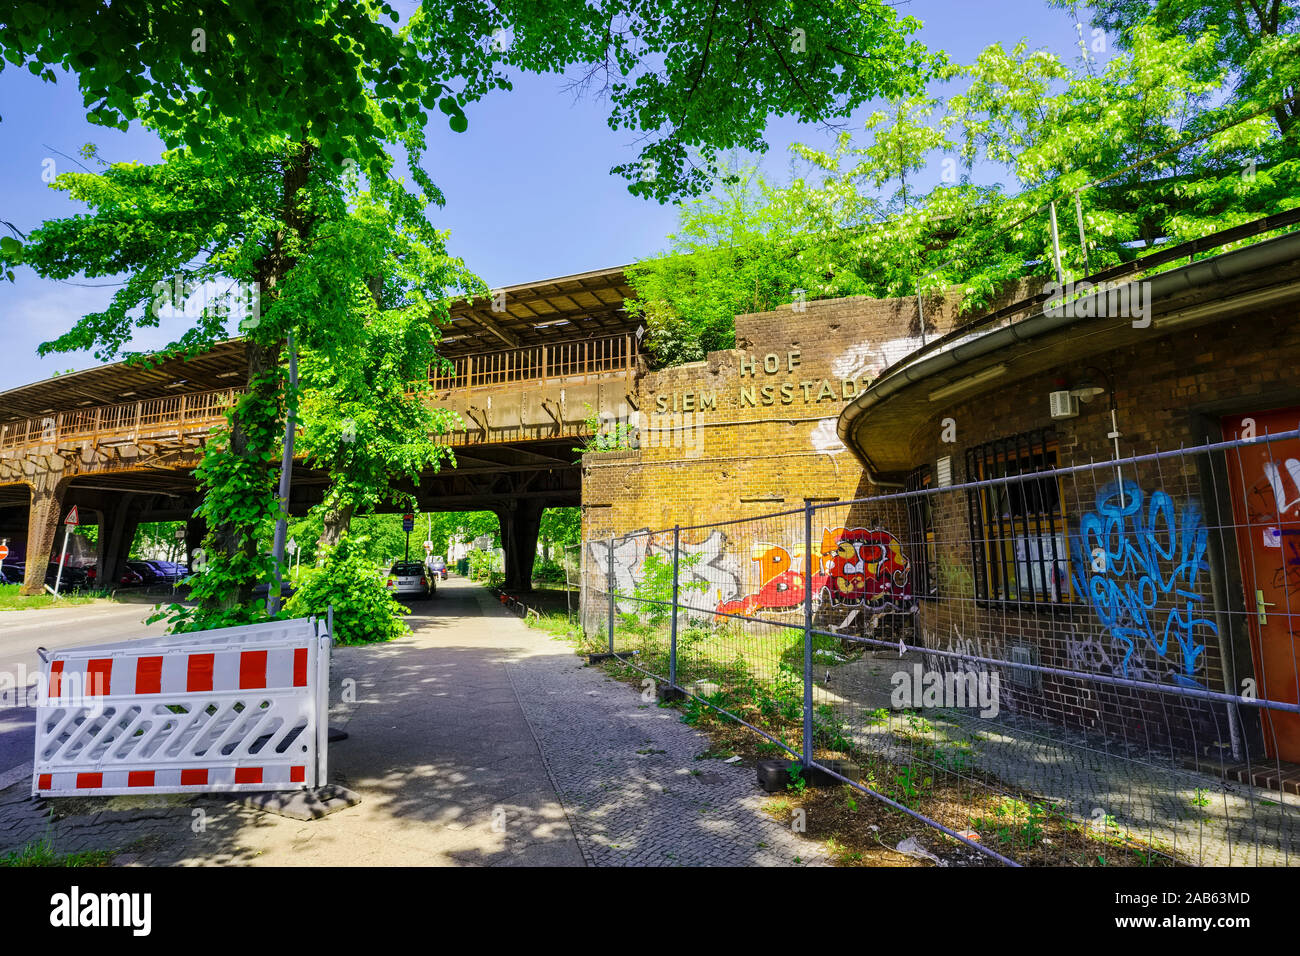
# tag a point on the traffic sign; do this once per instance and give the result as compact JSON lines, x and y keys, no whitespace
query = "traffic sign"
{"x":292,"y":546}
{"x":408,"y":523}
{"x":72,"y":518}
{"x":4,"y":551}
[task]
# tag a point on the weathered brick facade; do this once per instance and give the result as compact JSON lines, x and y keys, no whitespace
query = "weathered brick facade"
{"x":766,"y":438}
{"x":751,"y":431}
{"x":1169,"y":394}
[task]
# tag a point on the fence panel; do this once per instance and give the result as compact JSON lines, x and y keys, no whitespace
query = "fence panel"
{"x":1084,"y":664}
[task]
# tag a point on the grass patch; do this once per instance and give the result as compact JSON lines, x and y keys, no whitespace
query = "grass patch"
{"x":929,"y":772}
{"x":558,"y":625}
{"x":41,"y":853}
{"x":11,"y":600}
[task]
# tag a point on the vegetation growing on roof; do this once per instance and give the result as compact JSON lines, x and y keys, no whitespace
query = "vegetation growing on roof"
{"x":1160,"y":145}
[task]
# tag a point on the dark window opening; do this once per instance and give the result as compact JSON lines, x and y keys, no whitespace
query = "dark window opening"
{"x":1018,"y":523}
{"x":920,"y":533}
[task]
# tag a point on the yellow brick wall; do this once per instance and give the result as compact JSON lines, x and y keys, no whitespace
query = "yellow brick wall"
{"x":766,"y":438}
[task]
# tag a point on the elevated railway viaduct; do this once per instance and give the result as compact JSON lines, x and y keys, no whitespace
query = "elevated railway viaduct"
{"x":120,"y":442}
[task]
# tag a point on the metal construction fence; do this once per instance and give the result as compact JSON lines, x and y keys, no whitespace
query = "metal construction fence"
{"x":571,"y":560}
{"x":1082,"y":664}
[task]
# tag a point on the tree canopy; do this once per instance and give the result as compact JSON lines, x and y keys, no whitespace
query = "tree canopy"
{"x":1150,"y":146}
{"x":694,"y":77}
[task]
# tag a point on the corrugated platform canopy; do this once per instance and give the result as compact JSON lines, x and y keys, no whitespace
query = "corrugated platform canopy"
{"x":550,"y":312}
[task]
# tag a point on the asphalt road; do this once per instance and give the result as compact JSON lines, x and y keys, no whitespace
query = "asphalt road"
{"x":22,"y":632}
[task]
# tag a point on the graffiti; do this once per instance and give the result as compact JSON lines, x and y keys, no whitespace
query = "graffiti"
{"x":1137,"y":561}
{"x":629,"y":555}
{"x":955,"y":579}
{"x":715,"y":567}
{"x":965,"y":668}
{"x":1089,"y":653}
{"x":854,"y":568}
{"x":780,"y":578}
{"x":1274,"y":476}
{"x":857,"y":567}
{"x":868,"y":567}
{"x":1286,"y":577}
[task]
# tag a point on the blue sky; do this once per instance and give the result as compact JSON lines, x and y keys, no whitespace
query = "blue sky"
{"x":523,"y":202}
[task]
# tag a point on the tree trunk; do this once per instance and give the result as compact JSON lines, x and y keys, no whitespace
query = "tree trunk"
{"x":231,"y":538}
{"x":251,"y":441}
{"x":337,"y":520}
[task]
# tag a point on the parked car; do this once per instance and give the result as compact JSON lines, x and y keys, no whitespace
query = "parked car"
{"x":409,"y":578}
{"x":177,"y":572}
{"x":73,"y":578}
{"x":168,"y":571}
{"x":129,"y":579}
{"x":148,"y":573}
{"x":11,"y":572}
{"x":438,"y":565}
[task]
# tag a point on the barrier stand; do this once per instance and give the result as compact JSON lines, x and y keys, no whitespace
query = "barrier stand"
{"x":240,"y":709}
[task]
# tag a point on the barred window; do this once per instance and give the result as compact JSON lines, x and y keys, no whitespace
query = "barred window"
{"x":920,"y":533}
{"x":1018,"y":524}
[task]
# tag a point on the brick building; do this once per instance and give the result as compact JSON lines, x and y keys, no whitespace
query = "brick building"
{"x":972,"y":466}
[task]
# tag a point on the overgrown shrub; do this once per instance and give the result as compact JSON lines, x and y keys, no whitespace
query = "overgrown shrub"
{"x":481,"y":564}
{"x":550,"y":572}
{"x":364,"y":611}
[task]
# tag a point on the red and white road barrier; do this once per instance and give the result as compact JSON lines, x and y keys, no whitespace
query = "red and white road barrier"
{"x":239,"y":708}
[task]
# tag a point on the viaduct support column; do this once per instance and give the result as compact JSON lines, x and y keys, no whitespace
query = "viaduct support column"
{"x":42,"y":528}
{"x":195,"y":530}
{"x":519,"y":527}
{"x":116,"y":536}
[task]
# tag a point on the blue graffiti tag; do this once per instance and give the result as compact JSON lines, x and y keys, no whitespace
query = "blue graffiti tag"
{"x":1138,"y":567}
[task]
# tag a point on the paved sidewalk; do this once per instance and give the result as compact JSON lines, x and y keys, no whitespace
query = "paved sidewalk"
{"x":474,"y":741}
{"x":628,"y":773}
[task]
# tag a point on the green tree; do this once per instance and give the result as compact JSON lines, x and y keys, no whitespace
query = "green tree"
{"x":1256,"y":45}
{"x":696,"y":76}
{"x":257,"y":191}
{"x":724,"y":259}
{"x":462,"y":527}
{"x":154,"y":537}
{"x":204,"y":72}
{"x":1149,"y":146}
{"x":365,"y":411}
{"x":561,"y":527}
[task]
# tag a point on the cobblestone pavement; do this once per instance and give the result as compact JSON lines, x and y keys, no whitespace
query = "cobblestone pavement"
{"x":633,"y":788}
{"x":474,"y":741}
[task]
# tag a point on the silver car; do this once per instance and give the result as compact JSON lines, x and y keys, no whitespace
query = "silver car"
{"x":410,"y":579}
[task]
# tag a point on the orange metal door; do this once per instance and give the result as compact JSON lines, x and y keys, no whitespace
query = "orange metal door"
{"x":1265,"y":479}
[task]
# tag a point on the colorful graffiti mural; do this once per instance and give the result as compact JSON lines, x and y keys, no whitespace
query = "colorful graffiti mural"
{"x":715,"y":566}
{"x":858,"y":567}
{"x":1137,"y":561}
